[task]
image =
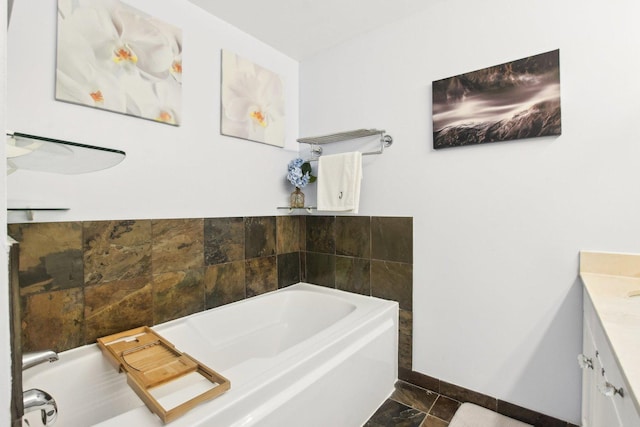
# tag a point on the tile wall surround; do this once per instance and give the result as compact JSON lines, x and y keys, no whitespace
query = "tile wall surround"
{"x":85,"y":279}
{"x":366,"y":255}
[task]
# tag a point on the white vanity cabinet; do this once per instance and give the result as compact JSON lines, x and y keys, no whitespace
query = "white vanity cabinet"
{"x":606,"y":400}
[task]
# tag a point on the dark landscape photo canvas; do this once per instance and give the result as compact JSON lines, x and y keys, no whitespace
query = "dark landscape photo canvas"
{"x":515,"y":100}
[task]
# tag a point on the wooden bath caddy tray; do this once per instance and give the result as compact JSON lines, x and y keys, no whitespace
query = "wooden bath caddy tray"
{"x":151,"y":361}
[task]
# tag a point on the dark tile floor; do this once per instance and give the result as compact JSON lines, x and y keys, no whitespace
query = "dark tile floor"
{"x":412,"y":406}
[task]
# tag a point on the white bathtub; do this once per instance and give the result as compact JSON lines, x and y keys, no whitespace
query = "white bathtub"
{"x":300,"y":356}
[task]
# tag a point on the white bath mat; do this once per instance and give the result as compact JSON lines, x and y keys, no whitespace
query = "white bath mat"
{"x":470,"y":415}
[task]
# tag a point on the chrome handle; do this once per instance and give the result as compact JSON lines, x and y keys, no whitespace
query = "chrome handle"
{"x":584,"y":362}
{"x":34,"y":400}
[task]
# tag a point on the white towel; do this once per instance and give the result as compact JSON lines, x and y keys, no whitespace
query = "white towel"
{"x":339,"y":178}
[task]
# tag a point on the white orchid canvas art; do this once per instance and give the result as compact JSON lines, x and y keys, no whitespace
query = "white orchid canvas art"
{"x":115,"y":57}
{"x":252,"y":101}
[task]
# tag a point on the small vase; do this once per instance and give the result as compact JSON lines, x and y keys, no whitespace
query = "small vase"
{"x":297,"y":199}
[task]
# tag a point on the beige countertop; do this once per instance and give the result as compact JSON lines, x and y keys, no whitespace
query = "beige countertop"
{"x":612,"y":280}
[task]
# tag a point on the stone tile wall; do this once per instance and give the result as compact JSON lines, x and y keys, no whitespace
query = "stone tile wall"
{"x":83,"y":280}
{"x":366,"y":255}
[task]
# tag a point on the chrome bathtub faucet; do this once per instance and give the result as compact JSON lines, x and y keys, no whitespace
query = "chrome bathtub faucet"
{"x":37,"y":357}
{"x":34,"y":399}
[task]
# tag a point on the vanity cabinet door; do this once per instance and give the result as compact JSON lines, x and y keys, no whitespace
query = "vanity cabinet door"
{"x":605,"y":394}
{"x":598,"y":409}
{"x":612,"y":382}
{"x":604,"y":411}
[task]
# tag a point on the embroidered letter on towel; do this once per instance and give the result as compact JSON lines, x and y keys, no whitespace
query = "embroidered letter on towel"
{"x":339,"y":177}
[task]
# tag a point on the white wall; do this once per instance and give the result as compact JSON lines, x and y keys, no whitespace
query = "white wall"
{"x":186,"y":171}
{"x":497,"y":228}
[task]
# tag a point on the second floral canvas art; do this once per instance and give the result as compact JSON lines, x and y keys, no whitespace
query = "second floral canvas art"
{"x":252,"y":101}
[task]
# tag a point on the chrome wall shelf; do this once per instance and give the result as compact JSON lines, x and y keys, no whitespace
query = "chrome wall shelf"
{"x":316,"y":141}
{"x":37,"y":153}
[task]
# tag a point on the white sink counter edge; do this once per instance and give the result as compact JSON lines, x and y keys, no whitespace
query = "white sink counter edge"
{"x":609,"y":279}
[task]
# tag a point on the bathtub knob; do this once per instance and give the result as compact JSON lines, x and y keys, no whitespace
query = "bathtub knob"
{"x":38,"y":400}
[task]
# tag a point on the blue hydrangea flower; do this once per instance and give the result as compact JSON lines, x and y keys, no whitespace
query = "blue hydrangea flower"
{"x":295,"y":174}
{"x":295,"y":163}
